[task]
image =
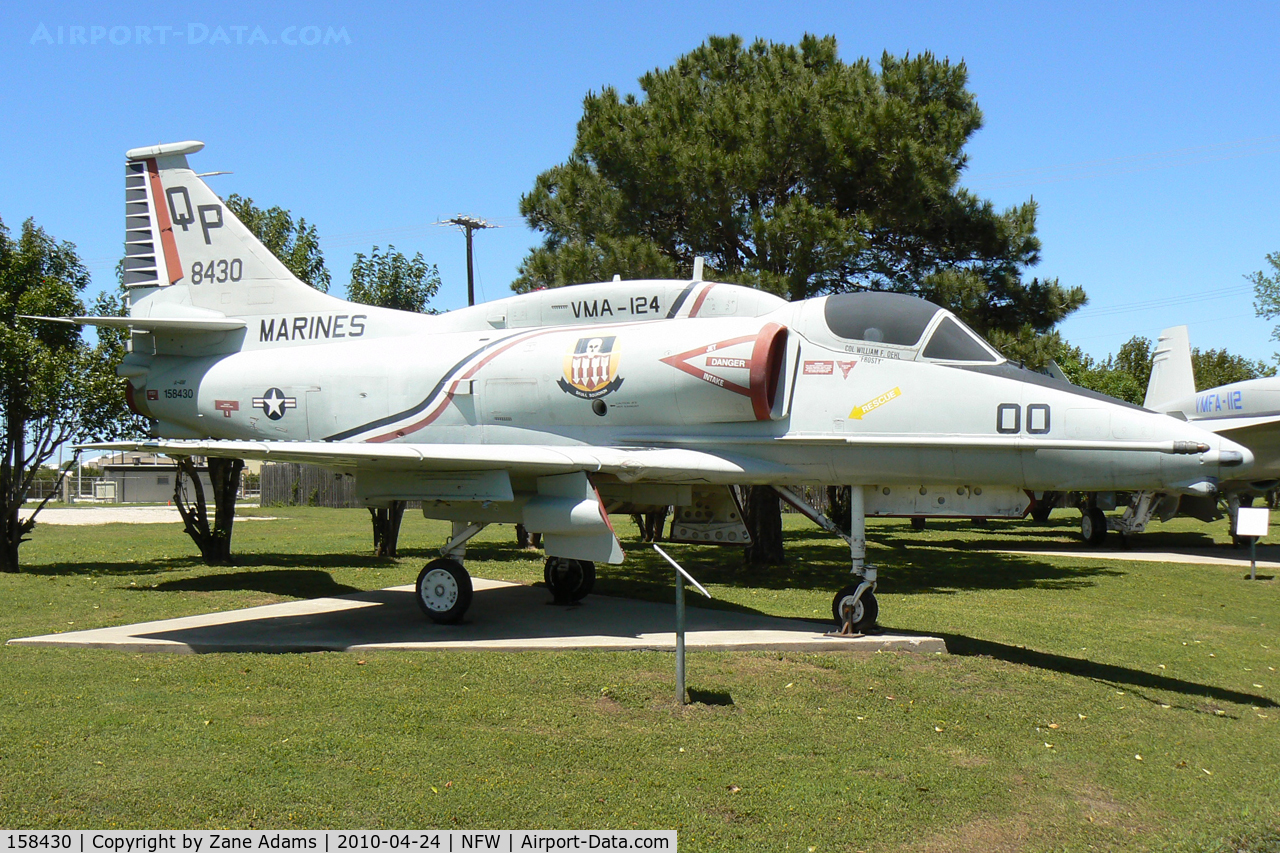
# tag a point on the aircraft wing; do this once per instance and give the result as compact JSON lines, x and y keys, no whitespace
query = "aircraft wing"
{"x":1229,"y":426}
{"x":627,"y":463}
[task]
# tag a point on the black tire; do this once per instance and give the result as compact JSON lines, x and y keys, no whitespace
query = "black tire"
{"x":917,"y":522}
{"x":865,"y":612}
{"x":570,"y":581}
{"x":444,"y":591}
{"x":1093,"y":526}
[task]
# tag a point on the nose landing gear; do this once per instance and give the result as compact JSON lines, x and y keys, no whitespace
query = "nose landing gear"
{"x":854,"y":607}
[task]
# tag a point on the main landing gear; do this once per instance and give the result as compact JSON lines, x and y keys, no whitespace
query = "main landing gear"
{"x":444,"y":586}
{"x":444,"y":590}
{"x":570,"y":581}
{"x":854,"y":608}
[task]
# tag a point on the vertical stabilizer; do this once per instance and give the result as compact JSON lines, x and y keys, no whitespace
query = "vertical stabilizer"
{"x":185,"y":250}
{"x":1172,"y":377}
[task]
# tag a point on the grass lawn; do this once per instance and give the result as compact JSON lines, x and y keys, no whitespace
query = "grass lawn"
{"x":1087,"y":704}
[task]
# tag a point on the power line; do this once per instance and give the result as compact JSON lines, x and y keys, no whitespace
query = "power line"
{"x":1129,"y":307}
{"x":468,"y":224}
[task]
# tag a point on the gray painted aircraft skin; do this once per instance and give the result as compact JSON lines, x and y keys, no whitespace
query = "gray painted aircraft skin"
{"x":556,"y":407}
{"x":1246,"y":412}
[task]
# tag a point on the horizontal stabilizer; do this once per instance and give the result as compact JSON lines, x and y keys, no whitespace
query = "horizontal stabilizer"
{"x":154,"y":324}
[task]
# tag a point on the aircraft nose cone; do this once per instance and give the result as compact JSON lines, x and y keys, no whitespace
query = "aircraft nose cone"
{"x":1230,"y":457}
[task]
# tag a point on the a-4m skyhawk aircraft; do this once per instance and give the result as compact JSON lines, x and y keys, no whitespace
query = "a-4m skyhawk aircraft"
{"x":558,"y":407}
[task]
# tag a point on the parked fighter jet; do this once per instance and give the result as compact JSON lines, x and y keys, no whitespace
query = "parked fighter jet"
{"x":558,"y":407}
{"x":1246,"y":412}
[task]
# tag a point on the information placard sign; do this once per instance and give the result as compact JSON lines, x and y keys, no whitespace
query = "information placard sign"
{"x":1252,"y":521}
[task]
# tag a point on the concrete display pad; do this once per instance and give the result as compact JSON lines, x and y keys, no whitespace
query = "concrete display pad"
{"x":1202,"y":557}
{"x":503,"y":616}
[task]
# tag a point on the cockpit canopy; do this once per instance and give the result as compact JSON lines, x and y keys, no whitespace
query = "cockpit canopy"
{"x":901,"y":320}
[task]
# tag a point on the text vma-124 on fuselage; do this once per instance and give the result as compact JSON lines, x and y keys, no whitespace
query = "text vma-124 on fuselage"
{"x":556,"y":408}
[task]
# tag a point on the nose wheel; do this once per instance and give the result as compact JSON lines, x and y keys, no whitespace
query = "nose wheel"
{"x":444,"y":591}
{"x":855,"y":614}
{"x":570,"y":581}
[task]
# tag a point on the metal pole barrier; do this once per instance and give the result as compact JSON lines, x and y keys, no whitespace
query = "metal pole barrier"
{"x":681,"y":574}
{"x":680,"y":692}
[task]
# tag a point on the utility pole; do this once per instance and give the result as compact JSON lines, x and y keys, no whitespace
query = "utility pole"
{"x":469,"y":224}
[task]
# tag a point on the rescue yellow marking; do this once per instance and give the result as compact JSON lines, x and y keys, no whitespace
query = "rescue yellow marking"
{"x":873,"y":404}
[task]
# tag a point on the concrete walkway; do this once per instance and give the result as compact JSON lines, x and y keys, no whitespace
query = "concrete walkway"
{"x":1202,"y":557}
{"x":503,"y":616}
{"x":116,"y":514}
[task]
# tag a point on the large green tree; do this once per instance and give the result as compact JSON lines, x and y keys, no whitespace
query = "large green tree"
{"x":391,"y":280}
{"x":1216,"y":367}
{"x":54,"y":388}
{"x":1125,"y":375}
{"x":793,"y":171}
{"x":294,"y":242}
{"x":1266,"y":291}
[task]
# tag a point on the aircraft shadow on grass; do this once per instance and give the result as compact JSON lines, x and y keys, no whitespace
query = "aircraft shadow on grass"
{"x":823,"y":566}
{"x":520,"y":613}
{"x":388,"y":617}
{"x":194,"y":563}
{"x":1104,"y":673}
{"x":300,"y":583}
{"x":515,"y":613}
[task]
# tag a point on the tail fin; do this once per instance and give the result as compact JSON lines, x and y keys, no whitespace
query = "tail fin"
{"x":1172,"y":377}
{"x":183,"y":247}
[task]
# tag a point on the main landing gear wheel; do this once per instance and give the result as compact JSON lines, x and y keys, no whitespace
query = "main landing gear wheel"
{"x":570,"y":581}
{"x":1093,"y":526}
{"x":444,"y":591}
{"x":865,"y":610}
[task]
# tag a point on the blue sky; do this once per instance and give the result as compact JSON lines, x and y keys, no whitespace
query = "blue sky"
{"x":1149,"y":134}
